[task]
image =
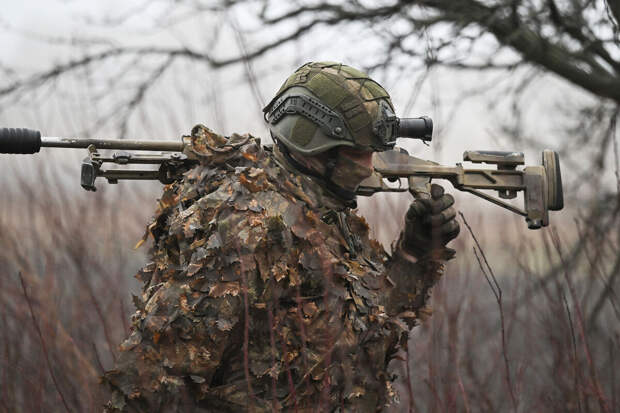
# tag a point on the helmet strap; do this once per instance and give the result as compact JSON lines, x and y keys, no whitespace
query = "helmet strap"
{"x":329,"y":167}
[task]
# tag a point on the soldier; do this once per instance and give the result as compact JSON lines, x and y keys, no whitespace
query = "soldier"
{"x":265,"y":292}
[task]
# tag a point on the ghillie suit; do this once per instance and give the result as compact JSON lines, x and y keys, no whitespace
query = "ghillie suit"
{"x":265,"y":294}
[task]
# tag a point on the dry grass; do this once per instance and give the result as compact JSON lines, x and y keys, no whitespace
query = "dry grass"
{"x":65,"y":280}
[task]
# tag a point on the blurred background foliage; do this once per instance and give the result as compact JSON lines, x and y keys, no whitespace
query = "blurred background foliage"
{"x":535,"y":329}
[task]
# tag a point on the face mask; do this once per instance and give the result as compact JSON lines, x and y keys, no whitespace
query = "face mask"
{"x":351,"y":169}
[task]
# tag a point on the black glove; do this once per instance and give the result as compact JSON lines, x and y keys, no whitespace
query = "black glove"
{"x":429,"y":225}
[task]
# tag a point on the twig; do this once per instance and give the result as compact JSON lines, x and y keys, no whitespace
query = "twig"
{"x":462,"y":390}
{"x":6,"y":388}
{"x":613,"y":131}
{"x":454,"y":350}
{"x":141,"y":91}
{"x":123,"y":317}
{"x":272,"y":342}
{"x":102,"y":318}
{"x":409,"y":385}
{"x":247,"y":63}
{"x":612,"y":17}
{"x":97,"y":358}
{"x":574,"y":342}
{"x":289,"y":377}
{"x":432,"y":371}
{"x":330,"y":341}
{"x":612,"y":359}
{"x":43,"y":346}
{"x":497,"y":291}
{"x":246,"y":332}
{"x":580,"y":324}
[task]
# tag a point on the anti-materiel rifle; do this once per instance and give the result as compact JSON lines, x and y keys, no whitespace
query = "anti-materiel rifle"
{"x":541,"y":185}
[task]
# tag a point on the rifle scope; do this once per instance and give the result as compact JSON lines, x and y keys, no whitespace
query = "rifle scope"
{"x":416,"y":128}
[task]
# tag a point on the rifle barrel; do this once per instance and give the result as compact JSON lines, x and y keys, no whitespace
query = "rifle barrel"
{"x":121,"y":144}
{"x":28,"y":141}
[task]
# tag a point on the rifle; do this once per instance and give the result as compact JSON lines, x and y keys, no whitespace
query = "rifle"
{"x":541,"y":184}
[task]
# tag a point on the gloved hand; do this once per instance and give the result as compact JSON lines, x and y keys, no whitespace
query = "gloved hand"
{"x":429,"y":225}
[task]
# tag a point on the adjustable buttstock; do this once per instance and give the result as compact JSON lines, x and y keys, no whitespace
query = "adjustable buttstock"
{"x":541,"y":185}
{"x":19,"y":141}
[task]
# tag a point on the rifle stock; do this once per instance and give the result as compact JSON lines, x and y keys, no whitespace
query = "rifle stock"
{"x":541,"y":184}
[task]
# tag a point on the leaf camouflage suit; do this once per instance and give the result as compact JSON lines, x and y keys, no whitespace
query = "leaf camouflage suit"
{"x":264,"y":294}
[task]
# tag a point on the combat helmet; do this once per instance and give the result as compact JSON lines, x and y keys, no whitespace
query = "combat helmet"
{"x":325,"y":104}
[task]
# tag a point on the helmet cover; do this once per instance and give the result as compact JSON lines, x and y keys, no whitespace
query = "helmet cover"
{"x":324,"y":105}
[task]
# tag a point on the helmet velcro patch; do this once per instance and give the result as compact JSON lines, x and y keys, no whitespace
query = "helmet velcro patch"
{"x":329,"y":91}
{"x":355,"y":110}
{"x":359,"y":121}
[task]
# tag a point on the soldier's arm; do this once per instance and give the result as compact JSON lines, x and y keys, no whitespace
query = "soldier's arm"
{"x":418,"y":259}
{"x":411,"y":280}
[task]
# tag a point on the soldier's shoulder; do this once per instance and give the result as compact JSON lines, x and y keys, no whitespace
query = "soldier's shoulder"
{"x":235,"y":199}
{"x":244,"y":163}
{"x":237,"y":187}
{"x":212,"y":149}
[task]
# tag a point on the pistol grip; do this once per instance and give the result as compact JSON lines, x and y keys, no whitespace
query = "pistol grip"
{"x":419,"y":187}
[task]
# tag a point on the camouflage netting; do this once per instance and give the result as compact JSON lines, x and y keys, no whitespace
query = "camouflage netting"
{"x":260,"y":299}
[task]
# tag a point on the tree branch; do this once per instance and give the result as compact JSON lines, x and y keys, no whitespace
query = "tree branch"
{"x":536,"y":49}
